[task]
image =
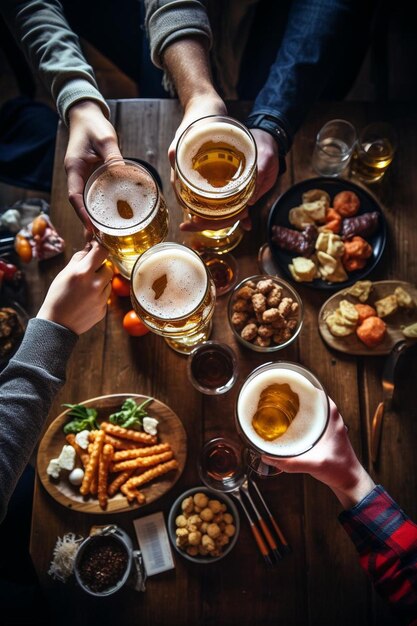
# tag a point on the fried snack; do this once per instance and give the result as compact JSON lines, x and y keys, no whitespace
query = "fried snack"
{"x":346,"y":203}
{"x":364,"y":225}
{"x":92,"y":464}
{"x":404,"y":299}
{"x":82,"y":454}
{"x":303,"y":270}
{"x":316,"y":210}
{"x":122,"y":444}
{"x":313,"y":195}
{"x":299,"y":218}
{"x":331,"y":244}
{"x":128,"y":433}
{"x":333,"y":221}
{"x":348,"y":311}
{"x":331,"y":268}
{"x":338,"y":325}
{"x":372,"y":331}
{"x":364,"y":311}
{"x":294,"y":241}
{"x":410,"y":331}
{"x":103,"y":470}
{"x":135,"y":494}
{"x":124,"y":455}
{"x":139,"y":462}
{"x":361,"y":290}
{"x":386,"y":306}
{"x":357,"y":252}
{"x":120,"y":480}
{"x":154,"y":472}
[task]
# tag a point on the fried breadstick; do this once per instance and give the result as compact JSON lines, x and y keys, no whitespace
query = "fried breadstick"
{"x":81,"y":453}
{"x":124,"y":455}
{"x":92,"y":464}
{"x":122,"y":444}
{"x":128,"y":433}
{"x":146,"y":461}
{"x":120,"y":480}
{"x":135,"y":494}
{"x":103,"y":470}
{"x":154,"y":472}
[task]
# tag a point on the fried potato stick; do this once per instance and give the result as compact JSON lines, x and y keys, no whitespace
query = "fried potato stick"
{"x":80,"y":452}
{"x":154,"y":472}
{"x":124,"y":455}
{"x":117,"y":482}
{"x":122,"y":444}
{"x":103,"y":471}
{"x":135,"y":494}
{"x":92,"y":465}
{"x":128,"y":433}
{"x":139,"y":462}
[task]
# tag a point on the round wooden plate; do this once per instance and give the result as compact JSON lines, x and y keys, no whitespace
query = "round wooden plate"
{"x":170,"y":430}
{"x":394,"y":322}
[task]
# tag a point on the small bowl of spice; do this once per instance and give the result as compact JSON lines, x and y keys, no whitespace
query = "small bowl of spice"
{"x":103,"y":563}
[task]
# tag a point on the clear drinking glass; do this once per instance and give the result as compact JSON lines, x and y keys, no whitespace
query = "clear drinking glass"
{"x":334,"y":146}
{"x":282,"y":411}
{"x":212,"y":368}
{"x":173,"y":293}
{"x":220,"y":465}
{"x":215,"y":175}
{"x":374,"y":152}
{"x":127,"y":210}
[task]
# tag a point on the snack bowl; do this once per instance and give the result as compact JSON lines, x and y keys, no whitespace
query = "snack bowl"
{"x":176,"y":511}
{"x":103,"y":562}
{"x":296,"y":317}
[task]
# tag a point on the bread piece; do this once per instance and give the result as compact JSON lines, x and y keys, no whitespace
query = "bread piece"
{"x":303,"y":269}
{"x":386,"y":306}
{"x":403,"y":298}
{"x":361,"y":290}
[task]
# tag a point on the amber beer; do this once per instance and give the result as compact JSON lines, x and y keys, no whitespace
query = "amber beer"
{"x":127,"y":210}
{"x":282,"y":410}
{"x":174,"y":294}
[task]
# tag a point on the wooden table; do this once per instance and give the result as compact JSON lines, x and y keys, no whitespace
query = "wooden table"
{"x":321,"y":582}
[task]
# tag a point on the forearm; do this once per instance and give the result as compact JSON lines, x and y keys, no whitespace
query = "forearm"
{"x":361,"y":485}
{"x":27,"y":388}
{"x":53,"y":51}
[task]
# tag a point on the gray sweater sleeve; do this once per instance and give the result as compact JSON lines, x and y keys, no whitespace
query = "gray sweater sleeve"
{"x":167,"y":21}
{"x":27,"y":388}
{"x":53,"y":50}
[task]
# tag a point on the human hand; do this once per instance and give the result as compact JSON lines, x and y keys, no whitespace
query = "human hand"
{"x":77,"y":297}
{"x":92,"y":140}
{"x":267,"y":163}
{"x":333,"y":462}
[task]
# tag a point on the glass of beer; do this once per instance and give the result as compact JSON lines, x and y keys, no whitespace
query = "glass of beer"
{"x":374,"y":152}
{"x":174,"y":295}
{"x":127,"y":210}
{"x":215,"y":175}
{"x":212,"y":368}
{"x":282,"y":411}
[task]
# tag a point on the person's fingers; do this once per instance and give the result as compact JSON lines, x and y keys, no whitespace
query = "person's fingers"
{"x":76,"y":184}
{"x":108,"y":149}
{"x":95,"y":256}
{"x":171,"y":156}
{"x":105,"y":274}
{"x":107,"y":291}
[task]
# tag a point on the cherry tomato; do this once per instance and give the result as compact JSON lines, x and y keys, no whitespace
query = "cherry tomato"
{"x":120,"y":285}
{"x":8,"y":270}
{"x":23,"y":248}
{"x":39,"y":225}
{"x":134,"y":325}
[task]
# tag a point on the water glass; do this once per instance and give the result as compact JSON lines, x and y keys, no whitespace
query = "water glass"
{"x":374,"y":152}
{"x":334,"y":146}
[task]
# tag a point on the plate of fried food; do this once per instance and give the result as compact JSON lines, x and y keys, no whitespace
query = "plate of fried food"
{"x":112,"y":454}
{"x":326,"y":233}
{"x":369,"y":318}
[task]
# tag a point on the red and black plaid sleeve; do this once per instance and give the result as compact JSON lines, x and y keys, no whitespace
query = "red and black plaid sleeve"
{"x":386,"y":540}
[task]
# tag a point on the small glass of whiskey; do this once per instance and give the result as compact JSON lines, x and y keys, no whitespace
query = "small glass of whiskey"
{"x":212,"y":368}
{"x":220,"y":465}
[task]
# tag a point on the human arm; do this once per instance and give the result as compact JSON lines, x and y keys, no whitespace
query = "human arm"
{"x":75,"y":301}
{"x":384,"y":536}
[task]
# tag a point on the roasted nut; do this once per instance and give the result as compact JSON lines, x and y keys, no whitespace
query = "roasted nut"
{"x":239,"y":319}
{"x":274,"y":296}
{"x":262,"y":342}
{"x":201,"y":500}
{"x":265,"y":286}
{"x":215,"y":506}
{"x":265,"y":331}
{"x":245,"y":293}
{"x":259,"y":303}
{"x":284,"y":306}
{"x":241,"y":305}
{"x":249,"y":332}
{"x":271,"y":315}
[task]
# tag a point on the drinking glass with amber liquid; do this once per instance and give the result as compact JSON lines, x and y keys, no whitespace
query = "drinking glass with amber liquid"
{"x":215,"y":175}
{"x":220,"y":464}
{"x":374,"y":152}
{"x":127,"y":210}
{"x":282,"y":411}
{"x":212,"y":368}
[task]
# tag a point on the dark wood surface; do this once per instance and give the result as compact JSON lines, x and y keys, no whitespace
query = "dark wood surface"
{"x":321,"y":582}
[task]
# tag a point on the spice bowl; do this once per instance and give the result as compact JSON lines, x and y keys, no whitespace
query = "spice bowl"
{"x":104,"y":562}
{"x":269,"y":322}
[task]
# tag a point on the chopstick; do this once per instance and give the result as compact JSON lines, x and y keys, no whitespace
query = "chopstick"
{"x":257,"y":535}
{"x":284,"y":546}
{"x":267,"y":533}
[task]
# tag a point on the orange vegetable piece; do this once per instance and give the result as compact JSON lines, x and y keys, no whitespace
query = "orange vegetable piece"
{"x":23,"y":248}
{"x":333,"y":220}
{"x":346,"y":203}
{"x":372,"y":331}
{"x":365,"y":311}
{"x":39,"y":225}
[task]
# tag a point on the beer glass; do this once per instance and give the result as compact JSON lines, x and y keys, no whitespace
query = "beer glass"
{"x":127,"y":210}
{"x":282,"y":411}
{"x":374,"y":152}
{"x":174,"y":295}
{"x":215,"y":175}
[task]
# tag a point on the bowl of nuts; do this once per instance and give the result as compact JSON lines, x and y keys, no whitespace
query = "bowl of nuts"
{"x":203,"y":525}
{"x":265,"y":313}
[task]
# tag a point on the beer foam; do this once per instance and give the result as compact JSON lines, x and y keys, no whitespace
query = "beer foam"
{"x":216,"y":132}
{"x":127,"y":183}
{"x":185,"y":287}
{"x":307,"y":425}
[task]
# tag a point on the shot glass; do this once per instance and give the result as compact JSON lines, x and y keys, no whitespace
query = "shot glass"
{"x":374,"y":152}
{"x":212,"y":368}
{"x":333,"y":149}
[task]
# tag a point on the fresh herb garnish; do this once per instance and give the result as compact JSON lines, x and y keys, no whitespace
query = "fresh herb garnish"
{"x":84,"y":419}
{"x":131,"y":414}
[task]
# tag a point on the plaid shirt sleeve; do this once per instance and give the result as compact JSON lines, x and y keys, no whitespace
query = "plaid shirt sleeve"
{"x":386,"y":540}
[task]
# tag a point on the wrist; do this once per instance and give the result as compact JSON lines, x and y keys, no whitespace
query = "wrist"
{"x":352,"y":494}
{"x":205,"y":98}
{"x":83,"y":108}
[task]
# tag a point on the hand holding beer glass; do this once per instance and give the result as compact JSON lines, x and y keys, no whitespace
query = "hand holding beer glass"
{"x":127,"y":210}
{"x":214,"y":178}
{"x":174,"y":295}
{"x":282,"y":412}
